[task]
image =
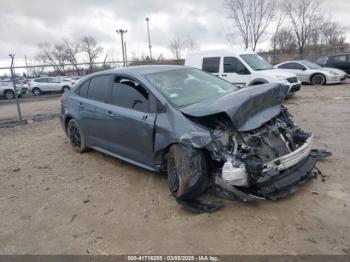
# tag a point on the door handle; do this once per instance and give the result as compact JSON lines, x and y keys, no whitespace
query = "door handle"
{"x":81,"y":105}
{"x":144,"y":117}
{"x":109,"y":114}
{"x":223,"y":75}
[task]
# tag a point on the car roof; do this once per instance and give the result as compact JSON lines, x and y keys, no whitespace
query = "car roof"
{"x":140,"y":70}
{"x":222,"y":52}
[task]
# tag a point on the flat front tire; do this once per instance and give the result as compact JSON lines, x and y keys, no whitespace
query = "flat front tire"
{"x":187,"y":172}
{"x":76,"y":136}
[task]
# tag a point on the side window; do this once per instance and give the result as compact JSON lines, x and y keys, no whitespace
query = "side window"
{"x":233,"y":65}
{"x":293,"y":66}
{"x":98,"y":88}
{"x":129,"y":94}
{"x":285,"y":66}
{"x":83,"y":89}
{"x":339,"y":58}
{"x":211,"y":64}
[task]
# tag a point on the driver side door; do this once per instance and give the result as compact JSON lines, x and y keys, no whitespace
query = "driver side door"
{"x":234,"y":71}
{"x":127,"y":121}
{"x":298,"y":69}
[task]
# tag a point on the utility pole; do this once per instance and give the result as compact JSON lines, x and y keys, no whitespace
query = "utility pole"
{"x":25,"y":59}
{"x":149,"y":39}
{"x":14,"y":87}
{"x":122,"y":32}
{"x":126,"y":56}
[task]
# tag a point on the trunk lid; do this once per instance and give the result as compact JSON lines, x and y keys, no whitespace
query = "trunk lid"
{"x":248,"y":108}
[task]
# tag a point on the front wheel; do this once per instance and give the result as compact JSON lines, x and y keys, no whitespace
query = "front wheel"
{"x":9,"y":94}
{"x":36,"y":91}
{"x":65,"y":89}
{"x":76,"y":136}
{"x":187,"y":172}
{"x":318,"y":79}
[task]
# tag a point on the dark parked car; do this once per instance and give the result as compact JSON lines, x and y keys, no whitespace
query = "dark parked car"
{"x":202,"y":131}
{"x":340,"y":61}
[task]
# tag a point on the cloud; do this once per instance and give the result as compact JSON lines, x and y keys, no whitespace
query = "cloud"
{"x":25,"y":24}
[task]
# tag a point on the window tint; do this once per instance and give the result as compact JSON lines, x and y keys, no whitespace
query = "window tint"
{"x":98,"y":88}
{"x":129,"y":94}
{"x":233,"y":65}
{"x":41,"y":80}
{"x":293,"y":66}
{"x":340,"y":58}
{"x":211,"y":64}
{"x":83,"y":89}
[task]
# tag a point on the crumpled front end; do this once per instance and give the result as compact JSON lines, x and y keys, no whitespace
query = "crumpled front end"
{"x":269,"y":162}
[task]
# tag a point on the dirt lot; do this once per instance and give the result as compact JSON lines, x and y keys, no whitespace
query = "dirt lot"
{"x":54,"y":201}
{"x":46,"y":105}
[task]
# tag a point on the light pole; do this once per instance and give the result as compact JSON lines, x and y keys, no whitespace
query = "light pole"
{"x":122,"y":32}
{"x":149,"y":39}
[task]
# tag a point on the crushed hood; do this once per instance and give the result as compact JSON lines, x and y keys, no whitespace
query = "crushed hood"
{"x":248,"y":108}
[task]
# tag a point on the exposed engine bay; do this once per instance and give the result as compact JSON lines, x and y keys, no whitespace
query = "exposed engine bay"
{"x":269,"y":162}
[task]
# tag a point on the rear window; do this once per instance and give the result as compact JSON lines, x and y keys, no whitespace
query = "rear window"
{"x":98,"y":88}
{"x":211,"y":64}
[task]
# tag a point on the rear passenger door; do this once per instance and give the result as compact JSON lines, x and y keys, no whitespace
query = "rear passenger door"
{"x":211,"y":65}
{"x":128,"y":123}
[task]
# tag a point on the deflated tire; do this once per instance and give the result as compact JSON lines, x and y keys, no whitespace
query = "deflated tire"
{"x":187,"y":172}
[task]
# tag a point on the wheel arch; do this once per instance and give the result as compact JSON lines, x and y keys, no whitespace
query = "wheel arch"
{"x":318,"y":73}
{"x":258,"y":81}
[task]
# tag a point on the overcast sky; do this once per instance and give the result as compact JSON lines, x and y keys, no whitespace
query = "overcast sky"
{"x":24,"y":24}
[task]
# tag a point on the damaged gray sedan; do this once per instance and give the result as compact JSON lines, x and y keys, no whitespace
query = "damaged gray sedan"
{"x":203,"y":132}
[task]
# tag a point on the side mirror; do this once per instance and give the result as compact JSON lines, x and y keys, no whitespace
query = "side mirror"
{"x":244,"y":71}
{"x":159,"y":107}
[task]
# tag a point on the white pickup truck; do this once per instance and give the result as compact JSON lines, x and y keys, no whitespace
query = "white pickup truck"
{"x":241,"y":68}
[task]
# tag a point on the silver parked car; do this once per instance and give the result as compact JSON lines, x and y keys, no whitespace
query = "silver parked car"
{"x":312,"y":73}
{"x":7,"y":91}
{"x":49,"y":84}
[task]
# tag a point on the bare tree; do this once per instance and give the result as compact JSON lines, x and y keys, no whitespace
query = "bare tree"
{"x":191,"y":44}
{"x":91,"y":48}
{"x":302,"y":14}
{"x":54,"y":54}
{"x":251,"y":18}
{"x":279,"y":22}
{"x":177,"y":47}
{"x":72,"y":50}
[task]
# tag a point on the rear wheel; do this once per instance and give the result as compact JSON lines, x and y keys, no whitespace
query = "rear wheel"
{"x":318,"y":79}
{"x":76,"y":136}
{"x":36,"y":91}
{"x":187,"y":172}
{"x":65,"y":89}
{"x":9,"y":94}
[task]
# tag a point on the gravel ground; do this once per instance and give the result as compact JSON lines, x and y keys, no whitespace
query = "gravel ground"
{"x":46,"y":105}
{"x":54,"y":201}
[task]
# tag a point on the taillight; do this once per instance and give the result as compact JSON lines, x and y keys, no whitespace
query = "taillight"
{"x":62,"y":100}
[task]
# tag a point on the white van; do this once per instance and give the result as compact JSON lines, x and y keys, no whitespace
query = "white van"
{"x":241,"y":68}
